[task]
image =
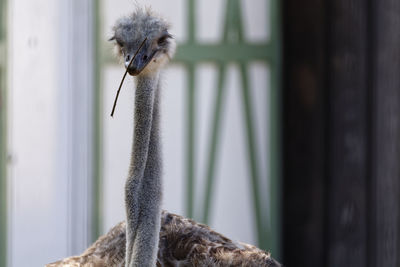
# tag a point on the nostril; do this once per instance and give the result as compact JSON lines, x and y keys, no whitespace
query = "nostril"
{"x":145,"y":57}
{"x":128,"y":58}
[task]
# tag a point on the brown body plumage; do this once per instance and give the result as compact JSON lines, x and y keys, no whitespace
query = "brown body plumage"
{"x":183,"y":242}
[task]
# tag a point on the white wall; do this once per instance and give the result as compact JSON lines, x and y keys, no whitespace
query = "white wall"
{"x":49,"y":129}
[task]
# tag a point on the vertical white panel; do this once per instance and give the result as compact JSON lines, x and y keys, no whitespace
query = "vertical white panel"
{"x":50,"y":129}
{"x":232,"y":211}
{"x":255,"y":19}
{"x":232,"y":208}
{"x":75,"y":122}
{"x":210,"y":20}
{"x":173,"y":120}
{"x":117,"y":144}
{"x":206,"y":77}
{"x":259,"y":77}
{"x":39,"y":194}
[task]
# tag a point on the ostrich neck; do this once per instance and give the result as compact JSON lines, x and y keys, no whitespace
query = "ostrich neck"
{"x":143,"y":186}
{"x":145,"y":105}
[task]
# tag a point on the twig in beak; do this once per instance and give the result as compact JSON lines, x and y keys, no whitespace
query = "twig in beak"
{"x":123,"y":78}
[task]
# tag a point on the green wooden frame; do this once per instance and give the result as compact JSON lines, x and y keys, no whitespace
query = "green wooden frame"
{"x":191,"y":53}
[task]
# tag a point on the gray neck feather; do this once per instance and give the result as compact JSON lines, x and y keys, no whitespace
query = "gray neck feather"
{"x":143,"y":188}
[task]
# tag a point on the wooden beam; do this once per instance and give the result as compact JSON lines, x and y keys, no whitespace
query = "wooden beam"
{"x":347,"y":133}
{"x":303,"y":132}
{"x":342,"y":133}
{"x":385,"y":240}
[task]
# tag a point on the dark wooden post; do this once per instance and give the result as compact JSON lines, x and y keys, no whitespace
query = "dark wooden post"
{"x":341,"y":133}
{"x":304,"y":132}
{"x":385,"y":187}
{"x":347,"y":132}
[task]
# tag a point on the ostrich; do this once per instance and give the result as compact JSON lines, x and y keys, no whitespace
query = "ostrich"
{"x":150,"y":235}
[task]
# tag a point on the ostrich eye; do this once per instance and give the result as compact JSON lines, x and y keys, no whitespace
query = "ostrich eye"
{"x":163,"y":39}
{"x":120,"y":44}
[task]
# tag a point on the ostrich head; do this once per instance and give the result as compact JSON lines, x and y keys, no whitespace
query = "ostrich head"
{"x":129,"y":33}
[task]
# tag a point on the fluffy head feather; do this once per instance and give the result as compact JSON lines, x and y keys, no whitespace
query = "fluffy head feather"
{"x":129,"y":33}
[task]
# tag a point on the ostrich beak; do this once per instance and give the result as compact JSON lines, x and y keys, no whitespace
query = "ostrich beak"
{"x":136,"y":66}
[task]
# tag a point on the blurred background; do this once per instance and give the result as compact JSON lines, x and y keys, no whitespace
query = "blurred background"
{"x":280,"y":125}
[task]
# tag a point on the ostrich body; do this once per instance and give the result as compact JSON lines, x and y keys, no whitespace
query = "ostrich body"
{"x":151,"y":236}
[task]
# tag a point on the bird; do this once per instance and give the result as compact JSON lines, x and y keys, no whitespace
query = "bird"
{"x":151,"y":236}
